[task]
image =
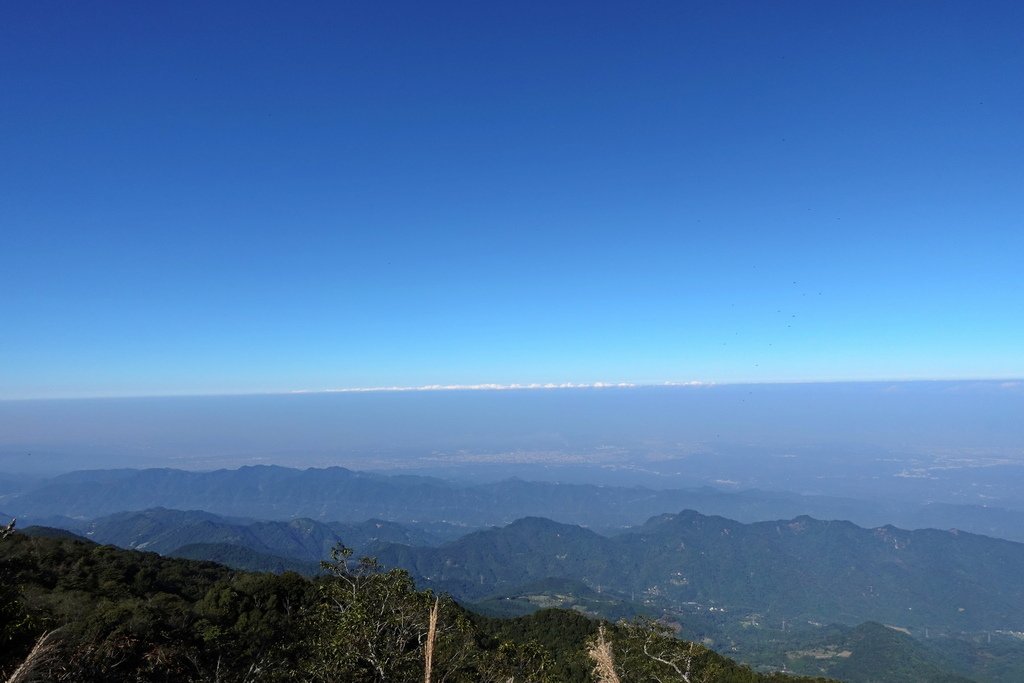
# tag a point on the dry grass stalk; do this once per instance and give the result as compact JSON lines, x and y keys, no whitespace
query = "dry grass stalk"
{"x":604,"y":662}
{"x":28,"y":670}
{"x":428,"y":655}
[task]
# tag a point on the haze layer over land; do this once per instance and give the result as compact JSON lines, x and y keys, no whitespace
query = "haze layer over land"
{"x":952,"y":441}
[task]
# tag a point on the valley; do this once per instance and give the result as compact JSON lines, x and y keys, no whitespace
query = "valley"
{"x":797,"y":594}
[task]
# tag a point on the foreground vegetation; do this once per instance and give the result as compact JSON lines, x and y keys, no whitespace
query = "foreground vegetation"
{"x":71,"y":610}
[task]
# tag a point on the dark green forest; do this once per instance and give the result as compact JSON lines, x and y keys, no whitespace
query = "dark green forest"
{"x":72,"y":610}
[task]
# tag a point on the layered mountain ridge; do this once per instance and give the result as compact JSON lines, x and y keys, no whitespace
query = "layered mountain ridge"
{"x":339,"y":494}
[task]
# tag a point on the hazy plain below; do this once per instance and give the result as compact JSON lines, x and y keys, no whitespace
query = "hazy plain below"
{"x":954,"y":441}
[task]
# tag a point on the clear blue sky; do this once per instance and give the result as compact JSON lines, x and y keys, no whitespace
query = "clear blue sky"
{"x":236,"y":197}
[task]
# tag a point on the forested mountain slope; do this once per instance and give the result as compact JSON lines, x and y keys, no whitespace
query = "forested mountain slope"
{"x":73,"y":610}
{"x":801,"y":569}
{"x":164,"y":531}
{"x":874,"y":652}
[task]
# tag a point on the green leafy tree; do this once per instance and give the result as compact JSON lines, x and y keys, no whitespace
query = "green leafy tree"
{"x":368,"y":624}
{"x":649,"y":651}
{"x":646,"y":651}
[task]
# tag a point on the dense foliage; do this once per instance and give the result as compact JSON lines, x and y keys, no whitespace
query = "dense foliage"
{"x":116,"y":615}
{"x":139,"y":616}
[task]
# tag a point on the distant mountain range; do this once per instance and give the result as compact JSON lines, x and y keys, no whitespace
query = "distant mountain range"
{"x":687,"y":563}
{"x":297,"y":544}
{"x":338,"y":494}
{"x":732,"y":582}
{"x":800,"y":570}
{"x":864,"y":653}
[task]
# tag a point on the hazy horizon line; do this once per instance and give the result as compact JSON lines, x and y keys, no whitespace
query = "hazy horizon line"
{"x":1008,"y":382}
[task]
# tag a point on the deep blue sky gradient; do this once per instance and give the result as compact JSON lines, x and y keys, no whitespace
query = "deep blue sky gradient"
{"x":244,"y":197}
